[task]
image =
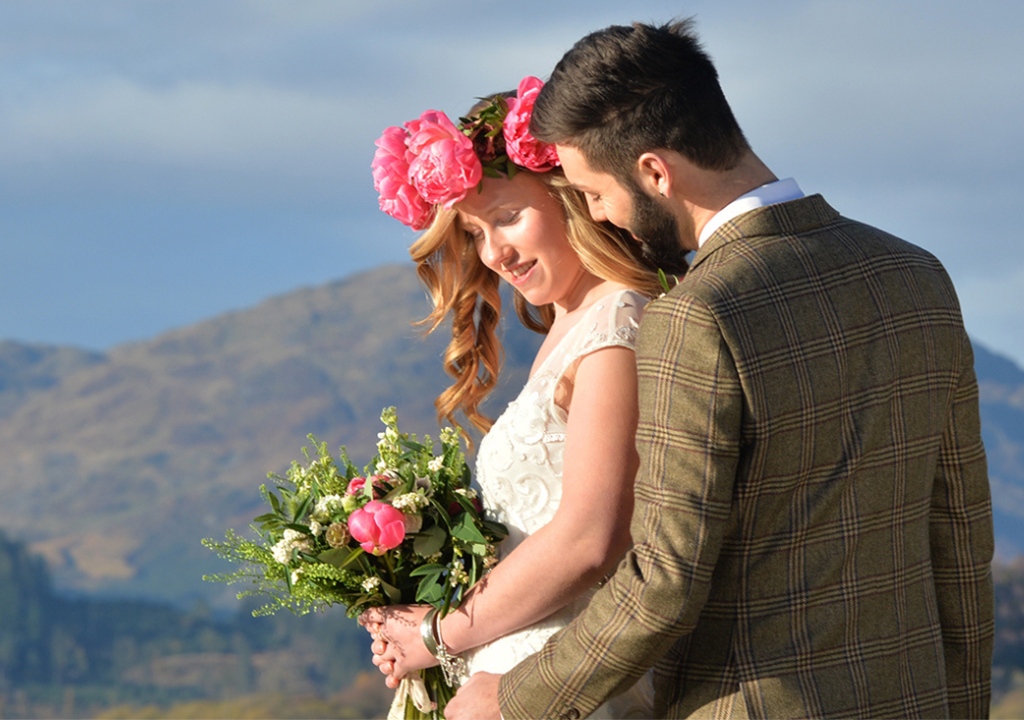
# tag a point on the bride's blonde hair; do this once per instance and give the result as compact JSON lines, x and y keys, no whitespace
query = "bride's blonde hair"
{"x":462,"y":287}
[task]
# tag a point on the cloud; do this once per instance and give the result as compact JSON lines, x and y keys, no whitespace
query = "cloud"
{"x":235,"y":124}
{"x":202,"y":126}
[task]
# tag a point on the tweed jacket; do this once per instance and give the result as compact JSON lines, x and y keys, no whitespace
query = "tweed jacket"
{"x":812,"y":529}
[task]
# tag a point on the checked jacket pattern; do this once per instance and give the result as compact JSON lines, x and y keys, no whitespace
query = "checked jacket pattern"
{"x":813,"y":528}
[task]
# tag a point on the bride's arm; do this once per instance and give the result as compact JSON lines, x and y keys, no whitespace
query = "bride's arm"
{"x":584,"y":541}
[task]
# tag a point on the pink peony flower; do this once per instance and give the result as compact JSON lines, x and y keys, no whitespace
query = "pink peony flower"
{"x":377,"y":527}
{"x":522,"y":147}
{"x":390,"y":166}
{"x":357,"y":484}
{"x":443,"y":165}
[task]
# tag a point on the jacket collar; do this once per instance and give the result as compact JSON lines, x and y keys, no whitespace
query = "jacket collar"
{"x":786,"y":218}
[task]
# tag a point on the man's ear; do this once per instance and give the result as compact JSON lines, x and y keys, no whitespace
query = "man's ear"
{"x":654,"y":174}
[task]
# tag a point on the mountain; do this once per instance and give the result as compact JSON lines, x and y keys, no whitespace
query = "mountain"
{"x":26,"y":369}
{"x":117,"y":464}
{"x":1001,"y":390}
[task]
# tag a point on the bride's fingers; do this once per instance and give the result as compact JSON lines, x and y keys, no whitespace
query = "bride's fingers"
{"x":392,"y":682}
{"x":371,"y":616}
{"x":379,"y":647}
{"x":373,"y":628}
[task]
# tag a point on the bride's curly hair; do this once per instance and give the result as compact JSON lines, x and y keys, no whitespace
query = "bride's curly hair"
{"x":462,"y":287}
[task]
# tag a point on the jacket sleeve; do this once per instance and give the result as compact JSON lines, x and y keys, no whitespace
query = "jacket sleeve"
{"x":962,"y":547}
{"x":688,"y":439}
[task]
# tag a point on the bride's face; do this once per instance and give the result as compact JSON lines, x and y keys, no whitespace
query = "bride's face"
{"x":519,"y":232}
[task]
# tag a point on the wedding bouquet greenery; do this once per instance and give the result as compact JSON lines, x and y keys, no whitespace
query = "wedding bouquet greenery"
{"x":406,"y":528}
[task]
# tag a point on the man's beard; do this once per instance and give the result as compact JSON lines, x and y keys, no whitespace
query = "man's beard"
{"x":655,"y":227}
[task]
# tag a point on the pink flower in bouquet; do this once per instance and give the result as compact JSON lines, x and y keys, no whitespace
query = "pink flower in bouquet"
{"x":356,"y":485}
{"x":444,"y":165}
{"x":390,"y":166}
{"x":522,"y":147}
{"x":377,"y":527}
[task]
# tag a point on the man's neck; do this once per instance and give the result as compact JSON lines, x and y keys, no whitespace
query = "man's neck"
{"x":704,"y":192}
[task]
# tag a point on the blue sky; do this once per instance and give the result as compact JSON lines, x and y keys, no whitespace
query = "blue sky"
{"x":162,"y":162}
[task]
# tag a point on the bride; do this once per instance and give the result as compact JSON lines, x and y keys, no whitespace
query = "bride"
{"x":557,"y":466}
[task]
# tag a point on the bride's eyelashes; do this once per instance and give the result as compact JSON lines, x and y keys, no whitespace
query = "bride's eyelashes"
{"x":508,"y":218}
{"x":475,"y":235}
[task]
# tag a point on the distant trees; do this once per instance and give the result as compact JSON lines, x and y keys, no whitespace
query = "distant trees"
{"x":115,"y":651}
{"x":1008,"y":657}
{"x":71,"y":656}
{"x":25,"y":605}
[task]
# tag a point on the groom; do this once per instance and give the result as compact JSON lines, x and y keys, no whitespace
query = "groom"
{"x":813,"y":526}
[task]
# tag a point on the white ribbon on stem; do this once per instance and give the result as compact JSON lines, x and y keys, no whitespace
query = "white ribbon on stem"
{"x":411,"y":688}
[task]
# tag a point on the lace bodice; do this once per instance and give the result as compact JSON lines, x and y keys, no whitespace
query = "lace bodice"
{"x":519,"y":464}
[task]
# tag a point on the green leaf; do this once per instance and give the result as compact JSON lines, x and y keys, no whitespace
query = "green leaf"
{"x":467,"y":530}
{"x":465,"y":503}
{"x":274,"y":502}
{"x":429,"y":541}
{"x":496,"y":529}
{"x":428,"y":570}
{"x":339,"y":557}
{"x":429,"y":591}
{"x":300,"y":511}
{"x":393,"y":593}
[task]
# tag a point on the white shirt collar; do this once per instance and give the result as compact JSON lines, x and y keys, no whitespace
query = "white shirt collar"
{"x":769,"y":194}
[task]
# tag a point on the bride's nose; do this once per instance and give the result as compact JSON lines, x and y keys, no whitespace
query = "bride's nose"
{"x":494,"y":251}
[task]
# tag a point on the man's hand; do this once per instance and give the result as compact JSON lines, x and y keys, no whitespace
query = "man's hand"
{"x":476,"y":700}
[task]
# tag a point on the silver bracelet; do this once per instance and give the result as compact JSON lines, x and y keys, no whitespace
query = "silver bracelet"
{"x":427,"y":631}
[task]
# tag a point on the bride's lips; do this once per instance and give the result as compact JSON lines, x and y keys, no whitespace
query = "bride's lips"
{"x":520,"y":272}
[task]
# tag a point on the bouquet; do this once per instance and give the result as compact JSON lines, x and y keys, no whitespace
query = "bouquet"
{"x":407,"y":528}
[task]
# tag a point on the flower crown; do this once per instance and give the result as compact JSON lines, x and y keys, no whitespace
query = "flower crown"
{"x":429,"y":161}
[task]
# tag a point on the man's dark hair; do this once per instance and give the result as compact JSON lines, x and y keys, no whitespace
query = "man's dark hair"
{"x":627,"y":90}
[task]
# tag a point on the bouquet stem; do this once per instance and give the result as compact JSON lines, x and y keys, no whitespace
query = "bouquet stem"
{"x":421,"y":697}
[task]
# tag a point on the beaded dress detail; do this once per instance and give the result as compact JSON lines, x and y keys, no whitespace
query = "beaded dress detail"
{"x":519,"y":464}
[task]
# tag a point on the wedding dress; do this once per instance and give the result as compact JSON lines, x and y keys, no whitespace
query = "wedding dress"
{"x":519,"y":471}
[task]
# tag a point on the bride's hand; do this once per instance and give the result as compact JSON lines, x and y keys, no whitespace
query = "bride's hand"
{"x":398,"y":647}
{"x":380,"y":651}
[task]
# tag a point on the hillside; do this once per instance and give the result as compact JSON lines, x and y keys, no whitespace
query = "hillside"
{"x":1001,"y":388}
{"x":117,"y":464}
